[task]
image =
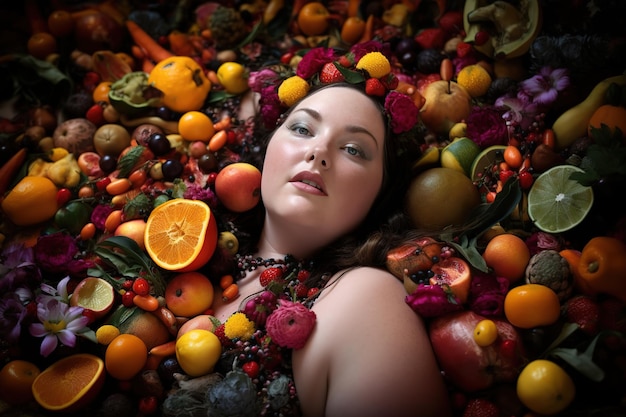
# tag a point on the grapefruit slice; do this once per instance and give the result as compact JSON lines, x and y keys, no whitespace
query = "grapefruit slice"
{"x":557,"y":203}
{"x":181,"y":235}
{"x":94,"y":294}
{"x":70,"y":383}
{"x":455,"y":273}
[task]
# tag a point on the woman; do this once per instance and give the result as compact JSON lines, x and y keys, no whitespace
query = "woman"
{"x":333,"y":175}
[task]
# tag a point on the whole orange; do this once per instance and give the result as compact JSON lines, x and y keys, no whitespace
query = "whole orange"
{"x":352,"y":29}
{"x":125,"y":356}
{"x":33,"y":200}
{"x":189,"y":294}
{"x":101,"y":92}
{"x":531,"y":305}
{"x":196,"y":125}
{"x":16,"y":381}
{"x":508,"y":256}
{"x":313,"y":19}
{"x":41,"y":44}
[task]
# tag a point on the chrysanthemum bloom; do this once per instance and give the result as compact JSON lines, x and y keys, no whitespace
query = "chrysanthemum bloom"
{"x":290,"y":324}
{"x":59,"y":322}
{"x":238,"y":326}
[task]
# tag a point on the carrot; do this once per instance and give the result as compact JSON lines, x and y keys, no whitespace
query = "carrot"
{"x":180,"y":44}
{"x":368,"y":33}
{"x":226,"y":281}
{"x":155,"y":51}
{"x":10,"y":168}
{"x":353,"y":7}
{"x":88,"y":231}
{"x":164,"y":349}
{"x":113,"y":220}
{"x":224,"y":123}
{"x":446,"y":70}
{"x":230,"y":293}
{"x":146,"y":302}
{"x":167,"y":318}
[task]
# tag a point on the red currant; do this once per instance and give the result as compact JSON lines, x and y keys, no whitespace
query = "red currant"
{"x":251,"y":369}
{"x":508,"y":348}
{"x":505,"y":175}
{"x":127,"y":284}
{"x":148,"y":405}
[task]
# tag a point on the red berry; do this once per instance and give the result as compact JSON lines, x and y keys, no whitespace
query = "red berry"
{"x":91,"y":81}
{"x":312,"y":292}
{"x":128,"y":299}
{"x":127,"y":284}
{"x":480,"y":407}
{"x":374,"y":87}
{"x":584,"y":311}
{"x":508,"y":348}
{"x":286,"y":58}
{"x":269,"y":275}
{"x":303,"y":275}
{"x":301,"y":290}
{"x":95,"y":114}
{"x":481,"y":38}
{"x":141,"y":286}
{"x":463,"y":49}
{"x":525,"y":180}
{"x":148,"y":405}
{"x":102,"y":183}
{"x":330,"y":74}
{"x":63,"y":196}
{"x":505,"y":175}
{"x":251,"y":368}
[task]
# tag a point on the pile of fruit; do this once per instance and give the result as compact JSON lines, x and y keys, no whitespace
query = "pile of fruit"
{"x":124,"y":131}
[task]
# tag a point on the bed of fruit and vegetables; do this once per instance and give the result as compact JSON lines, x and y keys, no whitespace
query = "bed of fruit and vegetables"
{"x":96,"y":132}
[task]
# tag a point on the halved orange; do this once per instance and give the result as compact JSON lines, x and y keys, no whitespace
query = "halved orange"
{"x":181,"y":235}
{"x":70,"y":383}
{"x":455,"y":273}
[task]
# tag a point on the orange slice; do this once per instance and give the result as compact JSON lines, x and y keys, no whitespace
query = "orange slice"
{"x":70,"y":383}
{"x":181,"y":235}
{"x":455,"y":273}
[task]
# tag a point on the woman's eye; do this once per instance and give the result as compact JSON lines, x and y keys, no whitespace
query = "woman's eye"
{"x":354,"y":151}
{"x":301,"y":130}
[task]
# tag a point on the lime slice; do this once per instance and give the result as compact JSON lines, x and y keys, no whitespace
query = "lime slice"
{"x":485,"y":159}
{"x":556,"y":203}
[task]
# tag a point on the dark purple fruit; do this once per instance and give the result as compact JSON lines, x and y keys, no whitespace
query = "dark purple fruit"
{"x":172,"y":169}
{"x":108,"y":163}
{"x":159,"y":144}
{"x":208,"y":163}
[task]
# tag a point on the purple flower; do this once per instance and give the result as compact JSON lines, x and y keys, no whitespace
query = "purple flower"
{"x":290,"y":324}
{"x":12,"y":313}
{"x":55,"y":251}
{"x":402,"y":111}
{"x":197,"y":192}
{"x":18,"y":268}
{"x":487,"y":292}
{"x":258,"y":80}
{"x":486,"y":127}
{"x":313,"y":61}
{"x":432,"y":301}
{"x":59,"y":293}
{"x":545,"y":86}
{"x":100,"y":214}
{"x":59,"y":322}
{"x":360,"y":49}
{"x":540,"y":241}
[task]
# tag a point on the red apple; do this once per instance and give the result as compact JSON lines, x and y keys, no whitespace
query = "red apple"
{"x":445,"y":104}
{"x":238,"y":186}
{"x":467,"y":365}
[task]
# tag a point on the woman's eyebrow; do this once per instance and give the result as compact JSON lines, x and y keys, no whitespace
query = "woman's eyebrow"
{"x":350,"y":128}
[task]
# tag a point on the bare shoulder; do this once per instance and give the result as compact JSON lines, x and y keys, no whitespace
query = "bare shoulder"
{"x":372,"y":350}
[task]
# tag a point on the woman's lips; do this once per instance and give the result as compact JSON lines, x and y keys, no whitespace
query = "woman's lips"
{"x":309,"y":182}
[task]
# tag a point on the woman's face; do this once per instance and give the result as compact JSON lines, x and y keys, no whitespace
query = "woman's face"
{"x":324,"y":165}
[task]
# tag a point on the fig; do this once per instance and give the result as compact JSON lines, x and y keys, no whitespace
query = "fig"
{"x":75,"y":135}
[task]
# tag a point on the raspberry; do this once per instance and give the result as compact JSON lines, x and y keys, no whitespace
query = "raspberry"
{"x":270,"y":275}
{"x":219,"y":332}
{"x":480,"y":407}
{"x":374,"y":87}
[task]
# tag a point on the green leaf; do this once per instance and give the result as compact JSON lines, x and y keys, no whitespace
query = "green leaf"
{"x":352,"y":77}
{"x":581,"y":361}
{"x":129,"y":160}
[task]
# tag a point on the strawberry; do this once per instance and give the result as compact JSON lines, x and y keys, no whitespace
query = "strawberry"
{"x":374,"y":87}
{"x":480,"y":407}
{"x":270,"y":275}
{"x":301,"y":290}
{"x":431,"y":38}
{"x":330,"y":74}
{"x":584,"y":311}
{"x":303,"y":275}
{"x":463,"y":49}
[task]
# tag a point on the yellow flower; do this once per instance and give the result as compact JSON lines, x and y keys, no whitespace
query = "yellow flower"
{"x":375,"y":63}
{"x":239,"y":327}
{"x":292,"y":89}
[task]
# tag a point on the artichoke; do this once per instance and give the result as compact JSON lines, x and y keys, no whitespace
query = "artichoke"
{"x":549,"y":268}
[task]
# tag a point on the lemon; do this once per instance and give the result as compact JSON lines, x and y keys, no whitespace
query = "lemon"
{"x":292,"y":89}
{"x":557,"y":203}
{"x":429,"y":159}
{"x":233,"y":77}
{"x":460,"y":154}
{"x":475,"y":79}
{"x":545,"y":387}
{"x":458,"y":130}
{"x":485,"y":159}
{"x":33,"y":200}
{"x":197,"y":351}
{"x":375,"y":63}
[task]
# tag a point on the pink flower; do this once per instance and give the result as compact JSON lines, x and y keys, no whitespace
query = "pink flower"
{"x":487,"y":292}
{"x":541,"y":241}
{"x":290,"y":324}
{"x":486,"y":127}
{"x":313,"y":61}
{"x":432,"y":301}
{"x":402,"y":111}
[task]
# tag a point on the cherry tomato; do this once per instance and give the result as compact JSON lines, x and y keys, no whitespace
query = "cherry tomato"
{"x":525,"y":180}
{"x":128,"y":284}
{"x":63,"y":196}
{"x":251,"y":368}
{"x":128,"y":299}
{"x":141,"y":286}
{"x":95,"y":114}
{"x":101,"y":184}
{"x":485,"y":332}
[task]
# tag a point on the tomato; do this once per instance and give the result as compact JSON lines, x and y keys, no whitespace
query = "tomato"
{"x":128,"y":299}
{"x":16,"y":380}
{"x":73,"y":217}
{"x":95,"y":114}
{"x":61,"y":23}
{"x":485,"y":332}
{"x":63,"y":196}
{"x":41,"y":44}
{"x":141,"y":286}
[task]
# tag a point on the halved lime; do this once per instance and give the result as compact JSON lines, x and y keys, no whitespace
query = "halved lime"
{"x":557,"y":203}
{"x":485,"y":159}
